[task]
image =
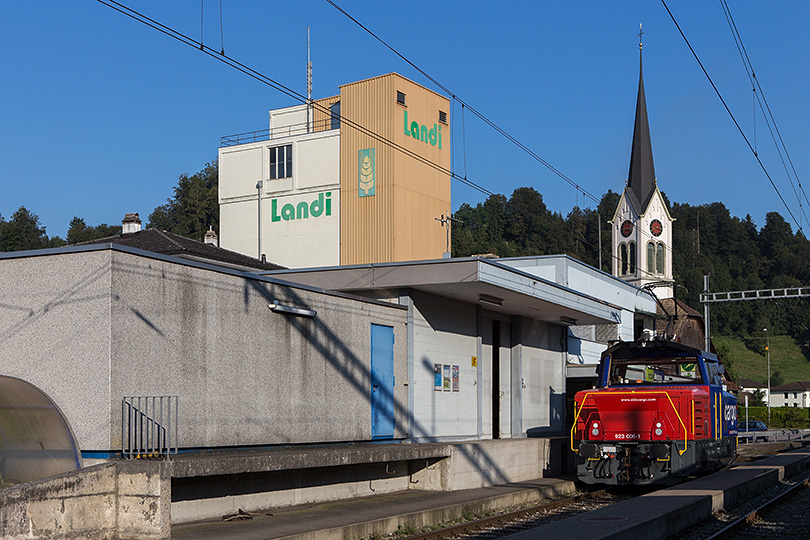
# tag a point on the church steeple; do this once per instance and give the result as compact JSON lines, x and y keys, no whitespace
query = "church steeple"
{"x":642,"y":225}
{"x":641,"y":178}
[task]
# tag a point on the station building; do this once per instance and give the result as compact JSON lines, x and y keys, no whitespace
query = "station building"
{"x":369,"y":335}
{"x":355,"y":178}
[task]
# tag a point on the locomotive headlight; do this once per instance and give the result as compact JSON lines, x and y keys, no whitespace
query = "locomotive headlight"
{"x":595,"y":429}
{"x":658,"y":429}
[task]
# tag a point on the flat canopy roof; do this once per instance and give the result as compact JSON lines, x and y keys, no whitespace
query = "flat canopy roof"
{"x":493,"y":285}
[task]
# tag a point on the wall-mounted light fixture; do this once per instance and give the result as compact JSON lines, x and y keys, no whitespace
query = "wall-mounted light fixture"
{"x":487,"y":299}
{"x":289,"y":310}
{"x":568,"y":321}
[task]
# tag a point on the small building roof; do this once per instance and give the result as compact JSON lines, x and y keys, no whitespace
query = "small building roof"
{"x":167,"y":243}
{"x":796,"y":386}
{"x":495,"y":285}
{"x":750,"y":383}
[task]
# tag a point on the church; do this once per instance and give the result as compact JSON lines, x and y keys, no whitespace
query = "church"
{"x":642,"y":225}
{"x":641,"y":231}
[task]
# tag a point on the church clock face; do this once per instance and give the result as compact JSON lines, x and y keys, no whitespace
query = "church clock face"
{"x":627,"y":228}
{"x":656,"y":228}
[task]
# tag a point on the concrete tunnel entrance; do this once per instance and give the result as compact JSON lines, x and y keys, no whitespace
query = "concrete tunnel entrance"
{"x":35,"y":438}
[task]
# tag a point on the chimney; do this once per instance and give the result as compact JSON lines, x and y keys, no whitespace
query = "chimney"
{"x":211,"y":237}
{"x":131,"y":223}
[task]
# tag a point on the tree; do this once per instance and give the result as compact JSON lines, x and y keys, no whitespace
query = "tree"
{"x":79,"y":231}
{"x":23,"y":231}
{"x":193,"y":208}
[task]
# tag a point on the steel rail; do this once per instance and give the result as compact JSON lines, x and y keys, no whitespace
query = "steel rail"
{"x":501,"y":519}
{"x":750,"y":517}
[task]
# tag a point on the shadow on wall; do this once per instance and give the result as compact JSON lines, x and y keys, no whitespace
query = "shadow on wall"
{"x":556,"y":414}
{"x":355,"y":371}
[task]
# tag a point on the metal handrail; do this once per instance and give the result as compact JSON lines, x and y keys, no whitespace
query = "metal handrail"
{"x":277,"y":132}
{"x":146,"y":434}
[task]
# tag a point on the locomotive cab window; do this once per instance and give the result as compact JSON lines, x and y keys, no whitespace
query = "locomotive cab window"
{"x":655,"y":371}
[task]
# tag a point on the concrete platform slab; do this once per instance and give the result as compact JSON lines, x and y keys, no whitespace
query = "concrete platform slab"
{"x":380,"y":514}
{"x":668,"y":511}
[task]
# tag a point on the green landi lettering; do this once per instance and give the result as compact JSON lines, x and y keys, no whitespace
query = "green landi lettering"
{"x":422,"y":133}
{"x":302,"y":210}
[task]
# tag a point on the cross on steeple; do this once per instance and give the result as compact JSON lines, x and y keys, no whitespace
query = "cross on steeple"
{"x":640,"y":33}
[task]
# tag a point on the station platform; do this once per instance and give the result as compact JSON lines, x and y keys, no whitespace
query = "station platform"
{"x":654,"y":515}
{"x":669,"y":511}
{"x":367,"y":516}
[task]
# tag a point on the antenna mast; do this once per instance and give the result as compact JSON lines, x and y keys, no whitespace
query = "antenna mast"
{"x":309,"y":87}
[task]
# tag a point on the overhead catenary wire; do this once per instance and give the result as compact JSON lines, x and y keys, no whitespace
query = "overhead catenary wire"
{"x":469,"y":107}
{"x":733,"y":118}
{"x":759,"y":98}
{"x":465,"y":105}
{"x":264,"y":79}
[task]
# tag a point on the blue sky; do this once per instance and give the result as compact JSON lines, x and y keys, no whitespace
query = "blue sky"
{"x":101,"y":114}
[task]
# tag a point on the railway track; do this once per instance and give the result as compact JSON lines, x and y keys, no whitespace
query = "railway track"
{"x":501,"y":525}
{"x":781,"y":512}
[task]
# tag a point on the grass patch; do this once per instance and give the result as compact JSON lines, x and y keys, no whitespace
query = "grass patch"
{"x":747,"y":358}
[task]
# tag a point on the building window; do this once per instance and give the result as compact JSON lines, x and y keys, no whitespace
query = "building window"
{"x":443,"y":117}
{"x":786,"y":395}
{"x":400,"y":97}
{"x":659,"y":259}
{"x":623,"y":258}
{"x":281,"y":162}
{"x":627,"y":256}
{"x":651,"y":257}
{"x":334,"y":115}
{"x":632,"y":249}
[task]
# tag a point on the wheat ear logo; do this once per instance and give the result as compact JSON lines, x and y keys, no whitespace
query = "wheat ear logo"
{"x":366,"y":177}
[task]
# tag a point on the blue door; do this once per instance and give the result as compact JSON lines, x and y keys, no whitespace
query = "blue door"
{"x":382,"y":382}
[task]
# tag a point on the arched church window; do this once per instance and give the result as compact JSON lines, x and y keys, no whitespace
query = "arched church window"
{"x":651,"y":257}
{"x":623,"y":258}
{"x":632,"y":249}
{"x":659,"y":259}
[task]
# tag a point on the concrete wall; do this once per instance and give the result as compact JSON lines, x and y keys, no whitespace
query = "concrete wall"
{"x":90,"y":328}
{"x":542,"y":378}
{"x":385,"y":470}
{"x":246,"y":375}
{"x":444,"y":334}
{"x":530,"y":392}
{"x":55,"y":334}
{"x":124,"y":500}
{"x":290,"y":240}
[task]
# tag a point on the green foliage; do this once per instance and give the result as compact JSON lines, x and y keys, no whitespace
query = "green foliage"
{"x":523,"y":226}
{"x":789,"y":358}
{"x":23,"y":231}
{"x":194,"y":206}
{"x":79,"y":231}
{"x":781,"y":417}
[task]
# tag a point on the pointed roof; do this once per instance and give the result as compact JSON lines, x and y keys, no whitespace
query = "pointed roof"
{"x":641,"y":178}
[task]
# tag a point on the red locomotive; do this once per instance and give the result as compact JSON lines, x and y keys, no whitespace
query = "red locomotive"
{"x":660,"y":412}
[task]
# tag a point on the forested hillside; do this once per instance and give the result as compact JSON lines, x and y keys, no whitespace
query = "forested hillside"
{"x":707,"y":241}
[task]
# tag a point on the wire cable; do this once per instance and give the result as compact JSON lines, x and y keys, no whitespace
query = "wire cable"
{"x":469,"y":107}
{"x":759,"y":97}
{"x":264,"y":79}
{"x":723,"y":101}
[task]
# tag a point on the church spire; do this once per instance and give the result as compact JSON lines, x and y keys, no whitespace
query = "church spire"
{"x":641,"y":178}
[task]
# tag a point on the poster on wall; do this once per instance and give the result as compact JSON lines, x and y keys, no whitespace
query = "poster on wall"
{"x":437,"y":377}
{"x":455,"y":378}
{"x":446,"y":378}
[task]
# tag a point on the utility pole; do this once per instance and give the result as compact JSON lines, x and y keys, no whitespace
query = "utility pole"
{"x":259,"y":226}
{"x":768,"y":353}
{"x":445,"y":221}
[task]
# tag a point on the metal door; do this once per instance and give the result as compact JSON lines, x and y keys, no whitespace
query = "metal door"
{"x":382,"y":382}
